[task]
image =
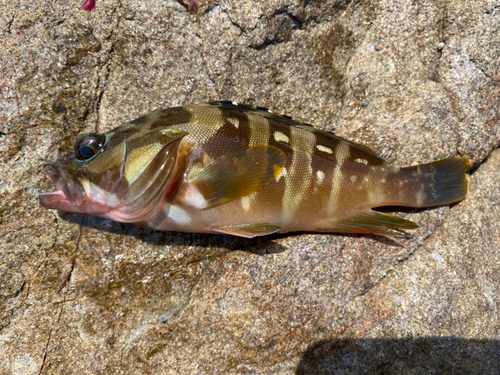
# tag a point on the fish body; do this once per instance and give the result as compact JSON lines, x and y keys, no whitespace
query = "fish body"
{"x":225,"y":168}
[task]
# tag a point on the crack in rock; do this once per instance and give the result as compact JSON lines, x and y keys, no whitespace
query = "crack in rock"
{"x":103,"y":81}
{"x":44,"y":360}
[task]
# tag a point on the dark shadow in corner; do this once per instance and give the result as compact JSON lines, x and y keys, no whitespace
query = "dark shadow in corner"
{"x":440,"y":355}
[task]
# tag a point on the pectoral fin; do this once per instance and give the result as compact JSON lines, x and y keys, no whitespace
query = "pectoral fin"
{"x":369,"y":222}
{"x":235,"y":176}
{"x":248,"y":230}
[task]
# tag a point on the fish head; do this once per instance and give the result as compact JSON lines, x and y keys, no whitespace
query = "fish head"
{"x":121,"y":175}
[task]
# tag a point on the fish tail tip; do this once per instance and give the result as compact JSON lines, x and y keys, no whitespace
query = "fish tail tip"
{"x":444,"y":181}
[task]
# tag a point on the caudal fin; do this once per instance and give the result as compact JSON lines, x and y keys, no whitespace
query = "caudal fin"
{"x":439,"y":183}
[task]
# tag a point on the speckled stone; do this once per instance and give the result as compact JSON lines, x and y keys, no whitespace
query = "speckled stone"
{"x":416,"y":81}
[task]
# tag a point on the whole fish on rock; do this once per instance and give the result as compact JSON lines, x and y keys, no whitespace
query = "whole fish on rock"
{"x":242,"y":170}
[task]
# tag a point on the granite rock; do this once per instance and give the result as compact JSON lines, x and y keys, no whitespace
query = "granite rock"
{"x":416,"y":81}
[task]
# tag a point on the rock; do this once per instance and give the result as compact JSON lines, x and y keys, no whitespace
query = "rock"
{"x":415,"y":81}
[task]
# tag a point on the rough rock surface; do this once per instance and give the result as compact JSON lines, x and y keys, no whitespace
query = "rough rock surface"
{"x":415,"y":80}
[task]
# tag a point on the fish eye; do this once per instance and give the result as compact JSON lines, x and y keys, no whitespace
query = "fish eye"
{"x":88,"y":145}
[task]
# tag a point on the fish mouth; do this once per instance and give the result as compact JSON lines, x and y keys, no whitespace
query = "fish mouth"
{"x":70,"y":193}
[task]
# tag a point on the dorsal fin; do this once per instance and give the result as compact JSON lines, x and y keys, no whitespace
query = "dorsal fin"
{"x":255,"y":110}
{"x":284,"y":119}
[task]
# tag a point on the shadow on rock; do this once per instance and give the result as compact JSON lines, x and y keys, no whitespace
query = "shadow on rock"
{"x":447,"y":355}
{"x":259,"y":245}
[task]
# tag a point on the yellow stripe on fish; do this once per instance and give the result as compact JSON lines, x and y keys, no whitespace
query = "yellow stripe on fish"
{"x":242,"y":170}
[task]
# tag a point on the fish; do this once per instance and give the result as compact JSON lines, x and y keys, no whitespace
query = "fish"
{"x":241,"y":170}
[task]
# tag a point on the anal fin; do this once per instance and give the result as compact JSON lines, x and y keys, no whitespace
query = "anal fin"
{"x":368,"y":222}
{"x":248,"y":230}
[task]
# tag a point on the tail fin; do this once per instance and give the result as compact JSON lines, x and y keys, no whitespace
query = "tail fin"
{"x":439,"y":183}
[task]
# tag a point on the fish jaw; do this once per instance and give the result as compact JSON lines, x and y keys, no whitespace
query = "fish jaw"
{"x":72,"y":195}
{"x":57,"y":201}
{"x":67,"y":183}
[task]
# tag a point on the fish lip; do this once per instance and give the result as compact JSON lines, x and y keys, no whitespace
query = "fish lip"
{"x":50,"y":200}
{"x":70,"y":190}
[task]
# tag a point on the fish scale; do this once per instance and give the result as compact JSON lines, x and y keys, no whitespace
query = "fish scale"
{"x":220,"y":167}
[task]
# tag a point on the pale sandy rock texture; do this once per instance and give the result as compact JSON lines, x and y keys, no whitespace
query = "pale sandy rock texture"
{"x":415,"y":80}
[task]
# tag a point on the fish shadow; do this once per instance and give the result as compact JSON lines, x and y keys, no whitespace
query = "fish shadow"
{"x":432,"y":355}
{"x":259,"y":245}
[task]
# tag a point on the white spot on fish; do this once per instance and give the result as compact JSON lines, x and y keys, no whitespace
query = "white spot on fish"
{"x":179,"y":215}
{"x":342,"y":152}
{"x":234,"y":121}
{"x":420,"y":196}
{"x":401,"y":194}
{"x":245,"y":203}
{"x":235,"y":103}
{"x":328,"y":150}
{"x":353,"y":178}
{"x":280,"y":137}
{"x":320,"y":176}
{"x":375,"y":196}
{"x":248,"y":200}
{"x":194,"y":198}
{"x":361,"y":161}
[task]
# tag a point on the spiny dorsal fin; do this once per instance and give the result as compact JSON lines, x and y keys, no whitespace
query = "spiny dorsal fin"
{"x":264,"y":112}
{"x":259,"y":111}
{"x":235,"y":176}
